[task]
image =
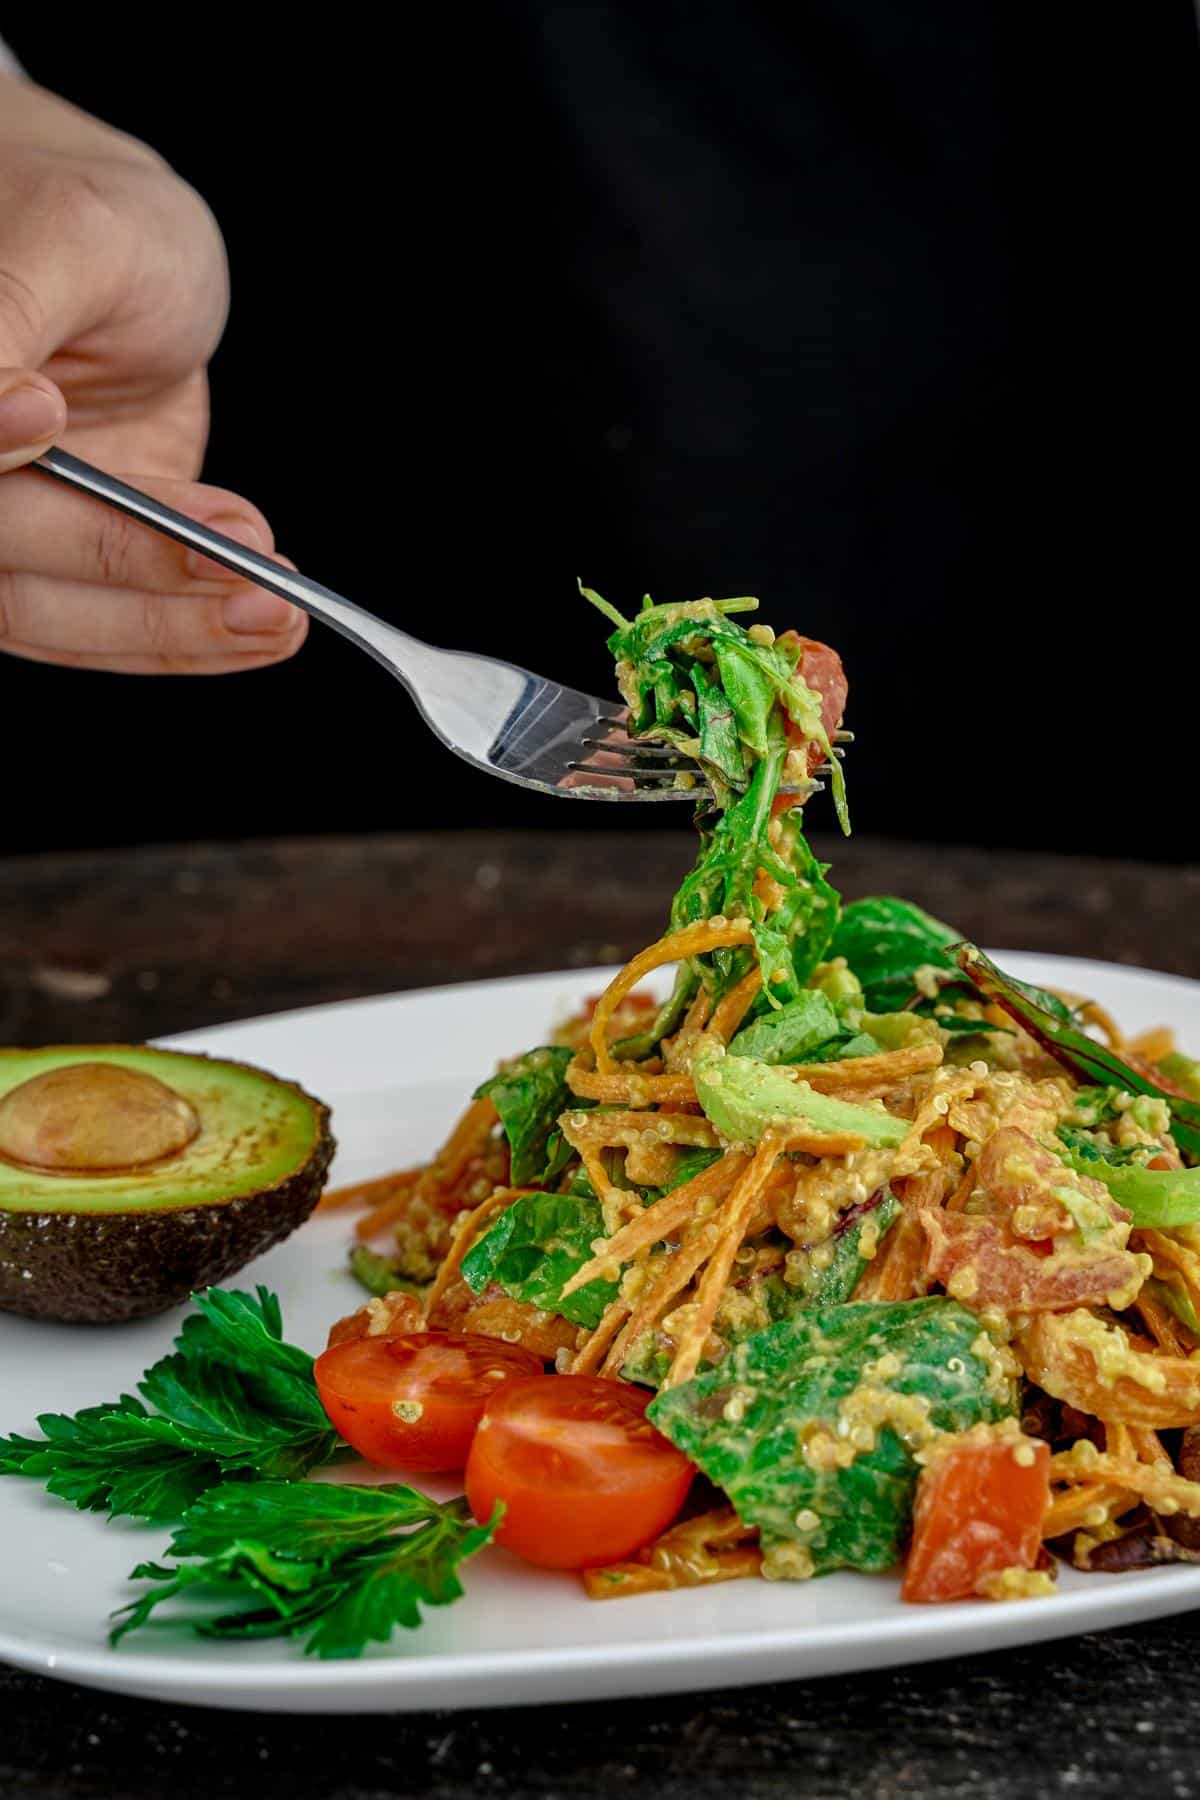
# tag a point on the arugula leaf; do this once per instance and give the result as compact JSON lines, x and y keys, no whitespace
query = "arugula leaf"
{"x":747,"y":1423}
{"x":530,"y":1094}
{"x":689,"y":674}
{"x":720,"y":745}
{"x":342,"y":1565}
{"x":1042,"y":1016}
{"x":233,"y":1398}
{"x":789,"y":1035}
{"x":534,"y":1248}
{"x":886,"y":941}
{"x":749,"y":694}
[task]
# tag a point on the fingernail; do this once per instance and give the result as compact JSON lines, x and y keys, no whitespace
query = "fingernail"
{"x":28,"y":415}
{"x":254,"y":609}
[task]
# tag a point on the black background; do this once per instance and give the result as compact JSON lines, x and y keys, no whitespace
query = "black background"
{"x":885,"y":314}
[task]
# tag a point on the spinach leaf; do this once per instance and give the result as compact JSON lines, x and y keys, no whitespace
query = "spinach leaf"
{"x":535,"y":1247}
{"x":886,"y":941}
{"x":530,"y":1095}
{"x":764,"y":1424}
{"x":792,"y":1033}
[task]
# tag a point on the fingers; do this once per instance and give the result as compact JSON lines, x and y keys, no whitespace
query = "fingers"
{"x":49,"y":529}
{"x":32,"y":413}
{"x":86,"y":587}
{"x":83,"y":626}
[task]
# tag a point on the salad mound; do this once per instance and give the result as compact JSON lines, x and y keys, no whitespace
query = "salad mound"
{"x":835,"y":1247}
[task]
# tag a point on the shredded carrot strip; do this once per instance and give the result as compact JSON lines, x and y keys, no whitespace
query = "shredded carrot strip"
{"x":736,"y":1215}
{"x":697,"y":1015}
{"x":931,"y":1189}
{"x":674,"y":1273}
{"x":367,"y":1193}
{"x":886,"y":1069}
{"x":464,"y":1237}
{"x":691,"y":1130}
{"x":692,"y":940}
{"x":1154,"y":1482}
{"x":895,"y":1272}
{"x":711,"y":1547}
{"x":1168,"y":1332}
{"x":1092,"y":1013}
{"x":387,"y":1213}
{"x":464,"y":1142}
{"x":588,"y":1359}
{"x":1074,"y":1510}
{"x":666,"y":1215}
{"x":1154,"y":1044}
{"x":732,"y":1008}
{"x":1148,"y":1447}
{"x":963,"y":1191}
{"x":631,"y":1088}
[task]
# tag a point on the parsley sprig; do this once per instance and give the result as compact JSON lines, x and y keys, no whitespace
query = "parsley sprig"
{"x":233,"y":1400}
{"x":343,"y":1566}
{"x":226,"y":1427}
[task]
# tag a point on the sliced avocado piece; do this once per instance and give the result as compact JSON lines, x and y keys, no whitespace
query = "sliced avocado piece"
{"x":744,"y":1099}
{"x":131,"y":1176}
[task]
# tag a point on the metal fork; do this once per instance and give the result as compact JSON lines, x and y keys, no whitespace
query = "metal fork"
{"x":499,"y":718}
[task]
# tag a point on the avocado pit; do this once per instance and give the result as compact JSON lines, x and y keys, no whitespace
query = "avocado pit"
{"x":91,"y":1116}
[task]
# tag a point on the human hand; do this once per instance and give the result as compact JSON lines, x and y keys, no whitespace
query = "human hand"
{"x":113,"y":296}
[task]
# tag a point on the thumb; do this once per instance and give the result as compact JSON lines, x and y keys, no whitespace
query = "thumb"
{"x":32,"y":414}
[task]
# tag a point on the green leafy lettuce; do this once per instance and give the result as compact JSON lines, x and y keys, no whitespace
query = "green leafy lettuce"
{"x":530,"y":1094}
{"x":887,"y":942}
{"x":340,"y":1566}
{"x":1157,"y":1198}
{"x":746,"y":1423}
{"x":533,"y":1250}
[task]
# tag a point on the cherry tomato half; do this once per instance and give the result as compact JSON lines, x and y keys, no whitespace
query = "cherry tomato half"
{"x":584,"y":1477}
{"x":413,"y":1401}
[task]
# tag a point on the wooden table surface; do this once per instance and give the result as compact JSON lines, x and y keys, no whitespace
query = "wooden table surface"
{"x":132,"y":944}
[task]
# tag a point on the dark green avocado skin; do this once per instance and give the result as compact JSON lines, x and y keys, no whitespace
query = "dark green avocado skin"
{"x":104,"y":1268}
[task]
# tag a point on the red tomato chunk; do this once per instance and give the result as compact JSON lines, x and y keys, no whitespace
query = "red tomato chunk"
{"x":979,"y":1510}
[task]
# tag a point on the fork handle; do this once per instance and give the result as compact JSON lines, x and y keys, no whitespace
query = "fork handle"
{"x":379,"y":639}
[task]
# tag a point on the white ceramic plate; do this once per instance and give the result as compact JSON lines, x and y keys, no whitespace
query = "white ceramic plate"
{"x":397,"y":1071}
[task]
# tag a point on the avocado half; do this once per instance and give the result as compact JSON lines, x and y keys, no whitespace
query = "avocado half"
{"x":131,"y":1177}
